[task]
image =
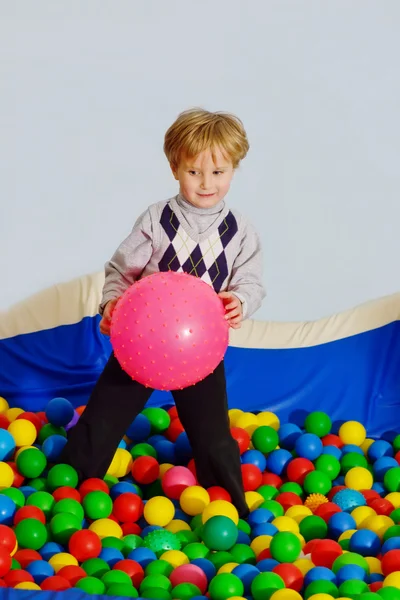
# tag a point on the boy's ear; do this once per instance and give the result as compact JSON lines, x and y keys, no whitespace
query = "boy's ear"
{"x":174,"y":170}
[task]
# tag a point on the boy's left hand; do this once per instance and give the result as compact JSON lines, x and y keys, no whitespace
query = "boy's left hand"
{"x":233,"y":308}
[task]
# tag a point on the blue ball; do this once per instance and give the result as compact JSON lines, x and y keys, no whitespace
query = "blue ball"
{"x":339,"y":523}
{"x":246,"y":574}
{"x":365,"y":542}
{"x":267,"y":564}
{"x":376,"y":577}
{"x":260,"y":515}
{"x":256,"y":458}
{"x":338,"y":481}
{"x":27,"y":490}
{"x":206,"y":566}
{"x":392,"y":543}
{"x":378,"y":487}
{"x":40,"y":570}
{"x":347,"y":448}
{"x":319,"y":574}
{"x":383,"y":464}
{"x":50,"y":549}
{"x":139,"y":430}
{"x":264,"y":529}
{"x":122,"y":488}
{"x":182,"y":516}
{"x":379,"y":449}
{"x":183,"y":449}
{"x":349,"y":499}
{"x":59,"y":412}
{"x":288,"y":434}
{"x":278,"y":461}
{"x":142,"y":555}
{"x":243,"y":538}
{"x":7,"y":445}
{"x":53,"y":446}
{"x":165,"y":451}
{"x":350,"y":572}
{"x":309,"y":446}
{"x":8,"y":509}
{"x":111,"y":556}
{"x":153,"y":439}
{"x":332,"y":451}
{"x":146,"y":530}
{"x":122,"y":444}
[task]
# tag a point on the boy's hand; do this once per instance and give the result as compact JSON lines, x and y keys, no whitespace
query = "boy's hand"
{"x":107,"y":314}
{"x":233,"y":308}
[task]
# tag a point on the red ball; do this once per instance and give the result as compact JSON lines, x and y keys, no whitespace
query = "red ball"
{"x":291,"y":575}
{"x":17,"y":576}
{"x":173,"y":412}
{"x":33,"y":418}
{"x":397,"y":456}
{"x":189,"y":574}
{"x":128,"y":508}
{"x":176,"y":480}
{"x":390,"y":562}
{"x":66,"y":492}
{"x":55,"y":583}
{"x":131,"y":528}
{"x":7,"y":538}
{"x":242,"y":438}
{"x":174,"y":430}
{"x":93,"y":485}
{"x":84,"y":544}
{"x":370,"y":494}
{"x":192,"y":468}
{"x":218,"y":493}
{"x":325,"y":552}
{"x":325,"y":511}
{"x":381,"y":506}
{"x":335,"y":490}
{"x":145,"y":469}
{"x":29,"y":512}
{"x":272,"y":479}
{"x":131,"y":568}
{"x":42,"y":417}
{"x":4,"y":422}
{"x":298,"y":468}
{"x":252,"y":477}
{"x":308,"y":547}
{"x":266,"y":553}
{"x":374,"y":587}
{"x":332,"y":440}
{"x":26,"y":556}
{"x":5,"y":561}
{"x":72,"y":573}
{"x":288,"y":499}
{"x":18,"y":478}
{"x":2,"y":583}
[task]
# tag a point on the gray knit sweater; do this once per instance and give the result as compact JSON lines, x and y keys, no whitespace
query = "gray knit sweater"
{"x":216,"y":244}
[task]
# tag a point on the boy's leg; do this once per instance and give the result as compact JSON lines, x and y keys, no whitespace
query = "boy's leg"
{"x":115,"y":401}
{"x":203,"y":411}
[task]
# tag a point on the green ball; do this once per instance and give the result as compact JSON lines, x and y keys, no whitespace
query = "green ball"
{"x":143,"y":449}
{"x":220,"y":558}
{"x":220,"y":533}
{"x":265,"y":584}
{"x":344,"y":544}
{"x":115,"y":576}
{"x":159,"y":419}
{"x":91,"y":585}
{"x":196,"y":550}
{"x":110,"y":480}
{"x":48,"y":430}
{"x":16,"y":496}
{"x":265,"y":439}
{"x":112,"y":542}
{"x":243,"y":554}
{"x":316,"y":482}
{"x":318,"y":423}
{"x":389,"y":593}
{"x":320,"y":587}
{"x":350,"y":558}
{"x":95,"y":567}
{"x":70,"y":506}
{"x":285,"y":547}
{"x":159,"y":567}
{"x":313,"y":527}
{"x":184,"y":591}
{"x":244,"y":526}
{"x":62,"y":475}
{"x":396,"y":443}
{"x":97,"y":505}
{"x":293,"y":487}
{"x":39,"y":483}
{"x":187,"y":537}
{"x":155,"y":581}
{"x":154,"y":489}
{"x":130,"y":542}
{"x":31,"y":534}
{"x":31,"y":463}
{"x":42,"y":500}
{"x":352,"y":588}
{"x":393,"y":531}
{"x":63,"y":526}
{"x":268,"y":492}
{"x":351,"y":460}
{"x":160,"y":541}
{"x":370,"y":596}
{"x":329,"y":465}
{"x":158,"y":594}
{"x":273,"y":506}
{"x":122,"y":589}
{"x":225,"y":586}
{"x":391,"y":479}
{"x":394,"y":515}
{"x":15,"y":565}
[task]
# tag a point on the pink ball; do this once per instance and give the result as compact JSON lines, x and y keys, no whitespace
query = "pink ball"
{"x":176,"y":480}
{"x":189,"y":574}
{"x":169,"y":330}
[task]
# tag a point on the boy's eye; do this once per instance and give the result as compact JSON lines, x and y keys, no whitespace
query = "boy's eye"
{"x":218,"y":172}
{"x":192,"y":172}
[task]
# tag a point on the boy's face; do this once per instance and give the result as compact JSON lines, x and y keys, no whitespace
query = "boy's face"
{"x":202,"y":181}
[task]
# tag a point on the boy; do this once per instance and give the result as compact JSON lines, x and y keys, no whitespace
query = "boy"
{"x":194,"y":232}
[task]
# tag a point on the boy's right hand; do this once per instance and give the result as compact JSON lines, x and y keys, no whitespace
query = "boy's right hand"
{"x":106,"y":318}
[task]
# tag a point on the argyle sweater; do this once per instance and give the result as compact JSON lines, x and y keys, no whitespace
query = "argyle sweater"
{"x":216,"y":244}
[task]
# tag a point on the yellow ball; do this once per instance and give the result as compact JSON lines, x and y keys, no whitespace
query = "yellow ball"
{"x":13,"y":413}
{"x":23,"y":431}
{"x":15,"y":549}
{"x":227,"y":568}
{"x":392,"y":580}
{"x":374,"y":564}
{"x":27,"y":585}
{"x":314,"y":501}
{"x":220,"y":508}
{"x":125,"y":462}
{"x":394,"y":498}
{"x":106,"y":528}
{"x":286,"y":524}
{"x":352,"y":432}
{"x":62,"y":559}
{"x":237,"y":598}
{"x":304,"y":564}
{"x":260,"y":543}
{"x":301,"y":539}
{"x":6,"y":475}
{"x":247,"y":421}
{"x":176,"y":558}
{"x":3,"y":405}
{"x":159,"y":511}
{"x":298,"y":512}
{"x":286,"y":594}
{"x":269,"y":419}
{"x":164,"y":467}
{"x":234,"y":414}
{"x":346,"y":535}
{"x":22,"y":449}
{"x":253,"y":500}
{"x":321,"y":597}
{"x":366,"y":444}
{"x":114,"y":466}
{"x":361,"y":514}
{"x":177,"y":525}
{"x":359,"y":478}
{"x":379,"y":524}
{"x":194,"y":500}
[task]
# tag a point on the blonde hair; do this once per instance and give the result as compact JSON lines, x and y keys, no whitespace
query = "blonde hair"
{"x":197,"y":130}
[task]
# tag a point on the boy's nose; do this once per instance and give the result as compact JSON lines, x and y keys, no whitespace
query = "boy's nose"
{"x":206,"y":182}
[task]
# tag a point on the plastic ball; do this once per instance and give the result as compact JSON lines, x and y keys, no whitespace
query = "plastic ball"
{"x":317,"y":482}
{"x":180,"y":354}
{"x":265,"y":439}
{"x":329,"y":465}
{"x":225,"y":586}
{"x":298,"y":468}
{"x":318,"y":423}
{"x":352,"y":432}
{"x":390,"y":562}
{"x":359,"y":478}
{"x":84,"y":544}
{"x":31,"y":534}
{"x":189,"y":573}
{"x":349,"y":499}
{"x":339,"y":523}
{"x":159,"y":511}
{"x":313,"y":527}
{"x":176,"y":480}
{"x":220,"y":508}
{"x":7,"y":445}
{"x":106,"y":528}
{"x":285,"y":547}
{"x":265,"y":584}
{"x":256,"y":458}
{"x":278,"y":461}
{"x":194,"y":500}
{"x":314,"y":501}
{"x":23,"y":432}
{"x":62,"y":475}
{"x":219,"y":533}
{"x":391,"y":479}
{"x":59,"y":412}
{"x":308,"y":446}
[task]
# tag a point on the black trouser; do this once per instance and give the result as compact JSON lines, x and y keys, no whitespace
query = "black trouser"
{"x":202,"y":408}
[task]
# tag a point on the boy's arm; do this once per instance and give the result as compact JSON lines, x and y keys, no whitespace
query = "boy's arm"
{"x":246,"y":279}
{"x":128,"y":261}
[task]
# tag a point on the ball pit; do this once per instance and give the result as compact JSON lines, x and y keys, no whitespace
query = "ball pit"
{"x":324,"y":516}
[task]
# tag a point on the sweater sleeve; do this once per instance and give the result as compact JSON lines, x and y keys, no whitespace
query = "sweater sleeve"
{"x":246,"y":279}
{"x":129,"y":260}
